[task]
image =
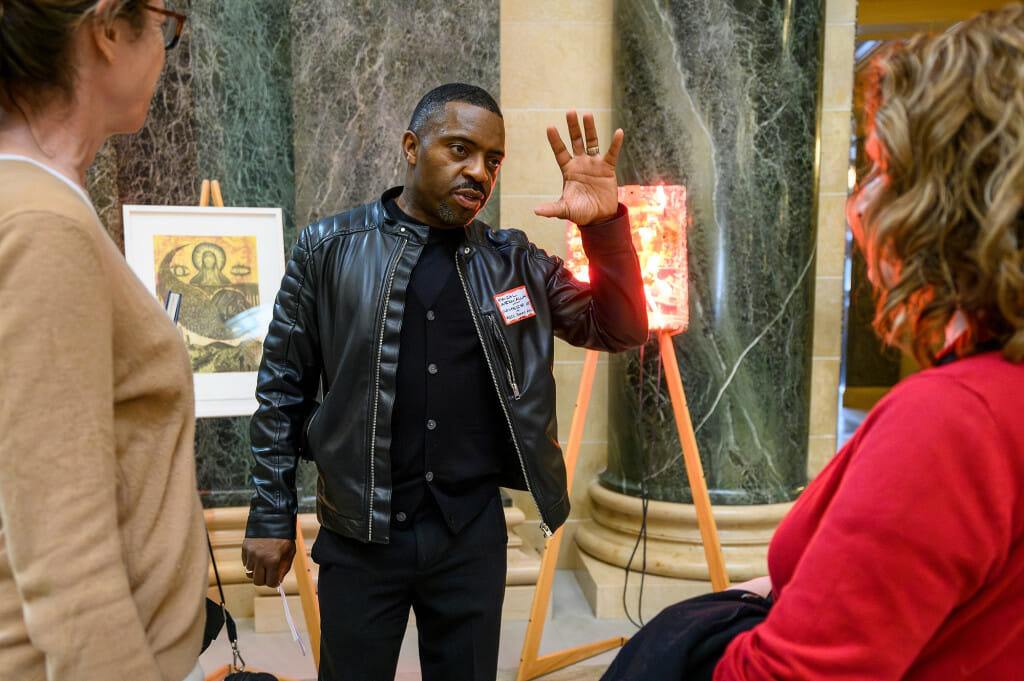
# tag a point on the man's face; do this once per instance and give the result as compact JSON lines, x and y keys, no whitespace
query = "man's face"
{"x":453,"y":165}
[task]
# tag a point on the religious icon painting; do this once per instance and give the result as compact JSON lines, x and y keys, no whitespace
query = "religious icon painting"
{"x":226,"y":265}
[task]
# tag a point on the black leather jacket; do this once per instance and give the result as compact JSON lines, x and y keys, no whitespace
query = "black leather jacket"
{"x":335,"y":333}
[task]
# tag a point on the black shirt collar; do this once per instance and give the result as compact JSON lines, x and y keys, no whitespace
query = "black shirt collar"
{"x":436,"y":235}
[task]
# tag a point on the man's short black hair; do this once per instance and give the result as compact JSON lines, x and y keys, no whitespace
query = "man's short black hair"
{"x":434,"y":101}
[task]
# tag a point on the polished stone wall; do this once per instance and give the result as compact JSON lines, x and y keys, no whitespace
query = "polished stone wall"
{"x":360,"y":68}
{"x":299,"y":105}
{"x":722,"y":96}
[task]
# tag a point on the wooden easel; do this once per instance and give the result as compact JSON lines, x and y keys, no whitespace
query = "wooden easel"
{"x":303,"y":574}
{"x":531,"y":666}
{"x":207,"y":188}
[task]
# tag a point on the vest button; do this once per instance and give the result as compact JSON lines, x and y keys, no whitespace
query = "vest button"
{"x":432,"y":369}
{"x":429,"y":476}
{"x":400,"y":516}
{"x":430,"y":315}
{"x":431,"y":424}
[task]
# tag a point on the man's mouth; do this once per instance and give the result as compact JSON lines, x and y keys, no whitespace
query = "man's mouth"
{"x":470,"y":199}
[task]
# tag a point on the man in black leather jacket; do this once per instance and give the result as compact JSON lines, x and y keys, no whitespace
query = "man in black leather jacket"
{"x":410,"y":357}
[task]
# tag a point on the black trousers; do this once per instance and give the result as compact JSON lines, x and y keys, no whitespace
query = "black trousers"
{"x":455,"y":584}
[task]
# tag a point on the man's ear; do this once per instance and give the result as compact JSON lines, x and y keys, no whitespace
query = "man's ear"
{"x":410,"y":147}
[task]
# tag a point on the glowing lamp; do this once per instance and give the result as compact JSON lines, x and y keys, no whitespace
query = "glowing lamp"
{"x":658,"y":217}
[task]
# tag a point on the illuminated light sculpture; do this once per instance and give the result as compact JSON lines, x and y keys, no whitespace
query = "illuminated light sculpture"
{"x":659,"y":219}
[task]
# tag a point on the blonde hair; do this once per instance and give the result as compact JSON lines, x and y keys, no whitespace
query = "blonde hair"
{"x":943,"y":229}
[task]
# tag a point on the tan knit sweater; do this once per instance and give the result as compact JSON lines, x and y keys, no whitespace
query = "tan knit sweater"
{"x":103,"y":563}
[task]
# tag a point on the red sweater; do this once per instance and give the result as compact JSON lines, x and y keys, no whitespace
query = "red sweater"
{"x":904,"y":559}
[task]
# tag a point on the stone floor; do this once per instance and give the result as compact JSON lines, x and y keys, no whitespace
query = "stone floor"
{"x":584,"y":671}
{"x":570,"y":623}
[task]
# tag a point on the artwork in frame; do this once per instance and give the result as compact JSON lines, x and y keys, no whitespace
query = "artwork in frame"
{"x":227,"y":265}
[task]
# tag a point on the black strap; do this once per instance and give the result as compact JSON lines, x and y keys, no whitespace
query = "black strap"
{"x":213,"y":562}
{"x":236,"y":656}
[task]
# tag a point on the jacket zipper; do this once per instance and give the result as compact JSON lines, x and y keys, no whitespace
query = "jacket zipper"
{"x":376,"y":386}
{"x":502,"y":399}
{"x":509,"y":367}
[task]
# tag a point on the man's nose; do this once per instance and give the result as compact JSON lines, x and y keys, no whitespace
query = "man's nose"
{"x":476,"y":169}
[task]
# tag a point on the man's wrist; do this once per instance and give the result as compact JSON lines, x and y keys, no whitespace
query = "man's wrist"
{"x":608,"y":238}
{"x":270,"y":526}
{"x":620,"y":211}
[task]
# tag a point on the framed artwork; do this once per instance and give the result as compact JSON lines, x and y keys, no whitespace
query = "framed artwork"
{"x":226,"y":264}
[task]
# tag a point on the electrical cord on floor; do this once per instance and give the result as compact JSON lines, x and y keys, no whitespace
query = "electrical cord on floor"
{"x":641,"y":536}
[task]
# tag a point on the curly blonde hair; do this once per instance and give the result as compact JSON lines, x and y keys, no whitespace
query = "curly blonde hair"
{"x":942,"y":227}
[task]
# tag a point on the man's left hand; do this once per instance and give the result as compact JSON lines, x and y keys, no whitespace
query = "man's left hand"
{"x":589,"y":188}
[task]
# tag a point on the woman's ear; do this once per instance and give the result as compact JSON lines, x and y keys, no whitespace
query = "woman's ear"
{"x":105,"y":30}
{"x":104,"y":34}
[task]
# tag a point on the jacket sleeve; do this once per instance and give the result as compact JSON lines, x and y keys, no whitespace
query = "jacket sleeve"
{"x":286,"y":389}
{"x":610,"y":313}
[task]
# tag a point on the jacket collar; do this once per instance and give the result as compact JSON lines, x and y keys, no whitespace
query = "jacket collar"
{"x":409,"y":230}
{"x":413,"y":231}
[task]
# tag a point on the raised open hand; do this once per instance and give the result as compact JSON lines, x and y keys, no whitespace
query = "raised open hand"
{"x":589,"y":188}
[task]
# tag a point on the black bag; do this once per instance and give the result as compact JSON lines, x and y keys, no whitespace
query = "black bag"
{"x":250,"y":676}
{"x":686,"y":640}
{"x":214,"y":622}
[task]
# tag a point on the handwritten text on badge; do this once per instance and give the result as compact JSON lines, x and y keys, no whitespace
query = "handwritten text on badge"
{"x":515,"y":305}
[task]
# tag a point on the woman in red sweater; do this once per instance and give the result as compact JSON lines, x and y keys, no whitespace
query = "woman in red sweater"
{"x":904,"y":559}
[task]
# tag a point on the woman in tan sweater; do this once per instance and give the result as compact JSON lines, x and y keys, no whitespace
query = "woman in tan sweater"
{"x":103,"y":566}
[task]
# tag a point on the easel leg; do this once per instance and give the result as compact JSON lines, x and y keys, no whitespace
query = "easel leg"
{"x":208,"y":190}
{"x":530,"y":667}
{"x":694,"y":470}
{"x":307,"y":594}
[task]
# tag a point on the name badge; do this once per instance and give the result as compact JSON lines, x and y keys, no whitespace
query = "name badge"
{"x":515,"y":305}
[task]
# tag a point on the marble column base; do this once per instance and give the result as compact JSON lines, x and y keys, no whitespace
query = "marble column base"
{"x":674,"y":547}
{"x":612,"y":594}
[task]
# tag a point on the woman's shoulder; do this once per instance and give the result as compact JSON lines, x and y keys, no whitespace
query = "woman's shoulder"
{"x":27,"y":187}
{"x":969,"y":405}
{"x":986,"y":378}
{"x":48,"y":229}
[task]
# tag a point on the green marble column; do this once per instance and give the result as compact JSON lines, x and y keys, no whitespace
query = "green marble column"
{"x":722,"y":96}
{"x":241,"y":104}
